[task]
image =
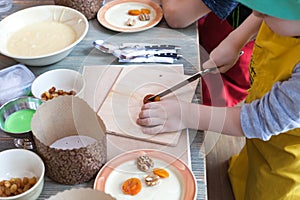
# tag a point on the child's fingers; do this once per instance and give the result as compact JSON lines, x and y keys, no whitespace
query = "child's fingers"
{"x":150,"y":121}
{"x":210,"y":64}
{"x":150,"y":105}
{"x":153,"y":130}
{"x":151,"y":113}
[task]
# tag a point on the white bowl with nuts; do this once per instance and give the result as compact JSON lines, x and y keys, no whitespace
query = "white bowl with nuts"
{"x":21,"y":175}
{"x":58,"y":82}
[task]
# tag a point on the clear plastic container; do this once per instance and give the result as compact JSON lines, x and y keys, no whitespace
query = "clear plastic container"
{"x":5,"y":5}
{"x":15,"y":81}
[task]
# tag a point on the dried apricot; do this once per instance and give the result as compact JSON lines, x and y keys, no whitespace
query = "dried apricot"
{"x":146,"y":98}
{"x":145,"y":11}
{"x":162,"y":173}
{"x":132,"y":186}
{"x":134,"y":12}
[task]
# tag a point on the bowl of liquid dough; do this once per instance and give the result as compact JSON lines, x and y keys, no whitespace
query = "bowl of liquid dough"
{"x":42,"y":35}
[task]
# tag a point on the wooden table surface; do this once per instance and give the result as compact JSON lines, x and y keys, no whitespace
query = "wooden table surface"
{"x":84,"y":54}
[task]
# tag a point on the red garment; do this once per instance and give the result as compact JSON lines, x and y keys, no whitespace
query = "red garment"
{"x":231,"y":87}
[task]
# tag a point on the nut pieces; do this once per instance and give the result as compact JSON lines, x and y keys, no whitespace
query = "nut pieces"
{"x":16,"y":186}
{"x":152,"y":180}
{"x":144,"y":163}
{"x":133,"y":186}
{"x":143,"y":15}
{"x":130,"y":22}
{"x":52,"y":93}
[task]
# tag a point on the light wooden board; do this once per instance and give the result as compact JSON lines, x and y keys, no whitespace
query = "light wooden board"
{"x":120,"y":109}
{"x":98,"y":82}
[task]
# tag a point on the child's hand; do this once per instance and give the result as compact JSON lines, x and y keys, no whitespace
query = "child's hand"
{"x":161,"y":116}
{"x":223,"y":56}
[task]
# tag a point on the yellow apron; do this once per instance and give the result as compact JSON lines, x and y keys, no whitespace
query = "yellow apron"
{"x":269,"y":170}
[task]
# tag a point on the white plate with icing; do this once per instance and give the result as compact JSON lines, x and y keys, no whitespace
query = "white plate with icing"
{"x":114,"y":15}
{"x":180,"y":185}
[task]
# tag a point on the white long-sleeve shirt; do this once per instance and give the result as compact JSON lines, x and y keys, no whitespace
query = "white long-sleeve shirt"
{"x":276,"y":112}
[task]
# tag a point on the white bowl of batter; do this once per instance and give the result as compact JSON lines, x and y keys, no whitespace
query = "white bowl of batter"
{"x":42,"y":35}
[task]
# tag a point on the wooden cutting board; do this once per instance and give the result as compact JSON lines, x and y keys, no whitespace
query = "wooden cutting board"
{"x":125,"y":92}
{"x":98,"y":82}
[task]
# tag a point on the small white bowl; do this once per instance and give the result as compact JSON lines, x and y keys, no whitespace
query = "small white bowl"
{"x":61,"y":79}
{"x":18,"y":163}
{"x":13,"y":106}
{"x":38,"y":14}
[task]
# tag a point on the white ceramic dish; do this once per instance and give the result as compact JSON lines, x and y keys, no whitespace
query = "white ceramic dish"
{"x":180,"y":185}
{"x":18,"y":163}
{"x":114,"y":15}
{"x":33,"y":15}
{"x":61,"y":79}
{"x":82,"y":193}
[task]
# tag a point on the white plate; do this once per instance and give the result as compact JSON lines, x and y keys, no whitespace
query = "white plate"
{"x":180,"y":185}
{"x":114,"y":15}
{"x":81,"y":193}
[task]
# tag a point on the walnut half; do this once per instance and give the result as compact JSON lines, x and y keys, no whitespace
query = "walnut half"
{"x":144,"y":163}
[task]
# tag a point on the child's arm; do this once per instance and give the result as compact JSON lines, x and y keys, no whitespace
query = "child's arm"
{"x":276,"y":112}
{"x":227,"y":52}
{"x":171,"y":115}
{"x":180,"y":14}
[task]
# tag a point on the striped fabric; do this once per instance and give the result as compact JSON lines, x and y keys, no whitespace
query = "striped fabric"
{"x":222,"y":8}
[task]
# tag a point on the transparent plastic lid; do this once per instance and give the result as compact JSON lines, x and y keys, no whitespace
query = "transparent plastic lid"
{"x":15,"y":81}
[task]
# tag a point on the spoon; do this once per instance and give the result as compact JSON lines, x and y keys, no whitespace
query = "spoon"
{"x":105,"y":47}
{"x":108,"y":47}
